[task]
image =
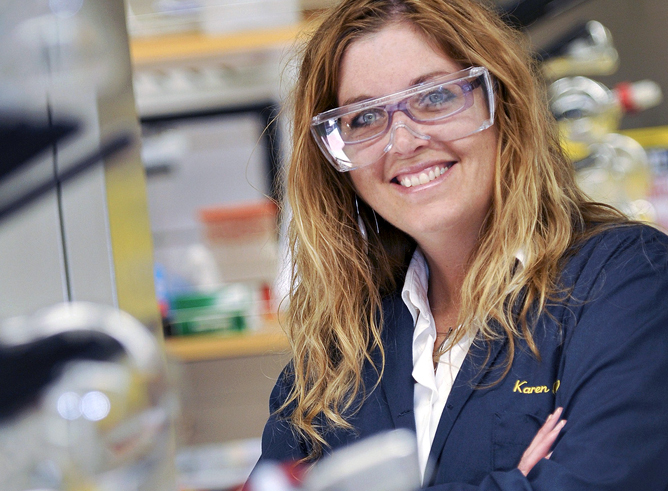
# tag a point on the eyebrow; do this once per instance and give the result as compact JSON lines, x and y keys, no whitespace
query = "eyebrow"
{"x":416,"y":81}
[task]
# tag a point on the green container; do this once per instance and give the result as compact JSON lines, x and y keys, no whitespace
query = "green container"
{"x":198,"y":313}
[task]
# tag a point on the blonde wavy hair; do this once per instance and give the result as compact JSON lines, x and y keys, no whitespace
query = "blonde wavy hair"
{"x":334,"y":317}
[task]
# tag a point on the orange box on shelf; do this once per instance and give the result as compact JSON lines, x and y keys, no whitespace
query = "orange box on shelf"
{"x":244,"y":240}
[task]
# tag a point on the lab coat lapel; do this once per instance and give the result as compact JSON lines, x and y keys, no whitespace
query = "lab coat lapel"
{"x":397,"y":381}
{"x":476,"y":366}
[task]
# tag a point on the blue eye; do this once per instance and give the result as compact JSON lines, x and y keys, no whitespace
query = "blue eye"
{"x":437,"y":98}
{"x":367,"y":118}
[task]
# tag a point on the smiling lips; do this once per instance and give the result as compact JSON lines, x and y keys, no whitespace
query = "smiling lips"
{"x":424,"y":177}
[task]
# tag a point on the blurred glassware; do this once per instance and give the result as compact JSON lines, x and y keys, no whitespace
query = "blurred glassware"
{"x":585,"y":109}
{"x":104,"y":422}
{"x":617,"y":172}
{"x":634,"y":97}
{"x":587,"y":50}
{"x":611,"y":168}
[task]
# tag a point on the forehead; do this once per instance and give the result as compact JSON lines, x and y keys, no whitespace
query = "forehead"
{"x":388,"y":61}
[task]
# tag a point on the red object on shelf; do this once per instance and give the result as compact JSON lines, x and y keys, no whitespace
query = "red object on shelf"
{"x":238,"y":222}
{"x":243,"y":240}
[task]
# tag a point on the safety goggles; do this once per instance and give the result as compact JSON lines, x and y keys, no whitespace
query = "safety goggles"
{"x":446,"y":108}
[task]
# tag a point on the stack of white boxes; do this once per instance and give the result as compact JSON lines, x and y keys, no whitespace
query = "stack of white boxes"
{"x":222,"y":16}
{"x":156,"y":17}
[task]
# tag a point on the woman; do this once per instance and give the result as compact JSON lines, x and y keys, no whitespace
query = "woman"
{"x":450,"y":278}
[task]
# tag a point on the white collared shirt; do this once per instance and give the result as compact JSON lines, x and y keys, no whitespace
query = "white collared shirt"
{"x":432,"y":388}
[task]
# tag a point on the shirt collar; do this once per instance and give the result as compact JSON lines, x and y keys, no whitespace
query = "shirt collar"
{"x":416,"y":283}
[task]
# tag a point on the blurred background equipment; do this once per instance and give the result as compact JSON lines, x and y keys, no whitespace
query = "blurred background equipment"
{"x":383,"y":462}
{"x":84,"y":402}
{"x":611,"y":168}
{"x":617,"y":172}
{"x":84,"y":399}
{"x":586,"y":110}
{"x":21,"y":139}
{"x":65,"y":73}
{"x":151,"y":17}
{"x":524,"y":13}
{"x":586,"y":49}
{"x":605,"y":68}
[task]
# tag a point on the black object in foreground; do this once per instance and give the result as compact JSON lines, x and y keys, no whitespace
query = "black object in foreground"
{"x":27,"y":369}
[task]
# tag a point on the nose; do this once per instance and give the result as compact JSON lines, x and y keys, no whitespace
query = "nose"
{"x":404,"y":139}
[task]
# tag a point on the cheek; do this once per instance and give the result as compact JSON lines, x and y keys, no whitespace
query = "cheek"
{"x":489,"y":169}
{"x":487,"y":156}
{"x":481,"y":179}
{"x":362,"y":179}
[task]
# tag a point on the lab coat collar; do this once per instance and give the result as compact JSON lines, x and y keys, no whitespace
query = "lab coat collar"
{"x":397,"y":382}
{"x":477,"y":365}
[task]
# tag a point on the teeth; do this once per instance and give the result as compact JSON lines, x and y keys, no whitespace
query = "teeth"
{"x":423,"y":178}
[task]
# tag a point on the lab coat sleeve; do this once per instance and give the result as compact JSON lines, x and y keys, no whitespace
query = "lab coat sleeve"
{"x":614,"y":381}
{"x":279,"y":440}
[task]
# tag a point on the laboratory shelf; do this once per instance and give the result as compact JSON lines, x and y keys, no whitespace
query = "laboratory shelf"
{"x":193,"y":45}
{"x":269,"y":340}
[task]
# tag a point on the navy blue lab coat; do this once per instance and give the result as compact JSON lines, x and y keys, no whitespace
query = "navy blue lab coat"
{"x":603,"y":358}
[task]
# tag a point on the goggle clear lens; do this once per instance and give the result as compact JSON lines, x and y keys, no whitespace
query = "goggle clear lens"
{"x":455,"y":106}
